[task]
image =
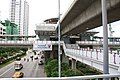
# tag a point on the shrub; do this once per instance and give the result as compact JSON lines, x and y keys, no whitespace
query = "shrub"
{"x":51,"y":68}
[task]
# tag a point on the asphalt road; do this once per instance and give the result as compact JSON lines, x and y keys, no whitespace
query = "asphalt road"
{"x":31,"y":69}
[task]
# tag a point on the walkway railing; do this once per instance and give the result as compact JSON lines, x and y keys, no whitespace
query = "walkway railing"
{"x":94,"y":57}
{"x":90,"y":77}
{"x":97,"y":43}
{"x":56,"y":42}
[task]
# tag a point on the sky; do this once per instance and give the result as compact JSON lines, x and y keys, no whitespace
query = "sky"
{"x":39,"y":10}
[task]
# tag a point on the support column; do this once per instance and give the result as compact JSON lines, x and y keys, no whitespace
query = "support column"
{"x":73,"y":64}
{"x":52,"y":53}
{"x":66,"y":39}
{"x":65,"y":58}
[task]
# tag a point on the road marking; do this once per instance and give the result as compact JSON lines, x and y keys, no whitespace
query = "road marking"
{"x":6,"y":71}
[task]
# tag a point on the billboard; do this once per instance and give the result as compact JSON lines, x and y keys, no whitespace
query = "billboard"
{"x":42,"y":45}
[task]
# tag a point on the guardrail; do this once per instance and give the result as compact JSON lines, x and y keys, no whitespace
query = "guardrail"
{"x":96,"y":77}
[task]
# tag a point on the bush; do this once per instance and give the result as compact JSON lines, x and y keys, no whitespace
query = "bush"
{"x":64,"y":66}
{"x":51,"y":68}
{"x":54,"y":74}
{"x":86,"y":69}
{"x":48,"y":60}
{"x":71,"y":72}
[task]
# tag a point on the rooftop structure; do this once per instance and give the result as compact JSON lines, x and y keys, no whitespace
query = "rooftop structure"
{"x":47,"y":30}
{"x":51,"y":21}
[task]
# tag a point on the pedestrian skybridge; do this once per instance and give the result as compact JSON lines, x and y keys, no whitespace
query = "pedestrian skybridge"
{"x":92,"y":57}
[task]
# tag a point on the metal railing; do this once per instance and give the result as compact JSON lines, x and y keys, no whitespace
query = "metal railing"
{"x":96,"y":43}
{"x":88,"y":77}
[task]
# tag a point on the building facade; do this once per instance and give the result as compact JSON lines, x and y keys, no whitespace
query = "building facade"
{"x":10,"y":29}
{"x":19,"y":14}
{"x":2,"y":31}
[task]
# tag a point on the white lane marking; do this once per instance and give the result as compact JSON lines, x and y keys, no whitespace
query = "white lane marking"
{"x":6,"y":71}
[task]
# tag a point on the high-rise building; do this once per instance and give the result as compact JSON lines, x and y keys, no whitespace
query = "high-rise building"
{"x":26,"y":18}
{"x":19,"y":14}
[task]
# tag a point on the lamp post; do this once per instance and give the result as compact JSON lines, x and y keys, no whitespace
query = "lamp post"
{"x":105,"y":39}
{"x":59,"y":57}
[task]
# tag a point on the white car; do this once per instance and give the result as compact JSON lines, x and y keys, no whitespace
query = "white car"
{"x":35,"y":57}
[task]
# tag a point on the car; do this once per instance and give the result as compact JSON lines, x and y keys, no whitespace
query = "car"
{"x":18,"y":66}
{"x":40,"y":62}
{"x":35,"y":57}
{"x":42,"y":56}
{"x":18,"y":75}
{"x":18,"y":59}
{"x":31,"y":56}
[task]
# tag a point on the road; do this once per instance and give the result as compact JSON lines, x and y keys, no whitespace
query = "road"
{"x":31,"y":69}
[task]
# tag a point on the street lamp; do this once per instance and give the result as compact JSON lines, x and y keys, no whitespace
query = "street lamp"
{"x":59,"y":57}
{"x":105,"y":39}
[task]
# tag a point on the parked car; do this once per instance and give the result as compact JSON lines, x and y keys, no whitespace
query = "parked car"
{"x":18,"y":75}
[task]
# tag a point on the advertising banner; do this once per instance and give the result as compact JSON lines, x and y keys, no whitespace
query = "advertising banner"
{"x":42,"y":45}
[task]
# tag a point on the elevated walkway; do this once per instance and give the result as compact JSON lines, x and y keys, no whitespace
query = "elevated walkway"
{"x":92,"y":57}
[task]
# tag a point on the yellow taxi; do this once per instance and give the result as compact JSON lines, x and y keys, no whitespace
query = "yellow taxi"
{"x":18,"y":75}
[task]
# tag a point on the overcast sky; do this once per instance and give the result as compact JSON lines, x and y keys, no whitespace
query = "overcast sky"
{"x":39,"y":10}
{"x":45,"y":9}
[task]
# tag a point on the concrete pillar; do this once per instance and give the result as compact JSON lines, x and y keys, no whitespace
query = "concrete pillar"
{"x":65,"y":58}
{"x":66,"y":39}
{"x":119,"y":64}
{"x":44,"y":38}
{"x":51,"y":54}
{"x":73,"y":64}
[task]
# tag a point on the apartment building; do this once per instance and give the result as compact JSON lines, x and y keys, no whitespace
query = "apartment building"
{"x":19,"y":14}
